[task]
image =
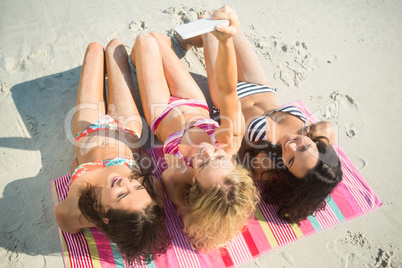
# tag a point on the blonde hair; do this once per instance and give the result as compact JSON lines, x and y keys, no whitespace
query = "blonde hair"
{"x":216,"y":214}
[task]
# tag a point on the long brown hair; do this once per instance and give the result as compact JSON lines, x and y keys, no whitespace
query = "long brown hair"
{"x":298,"y":198}
{"x":139,"y":235}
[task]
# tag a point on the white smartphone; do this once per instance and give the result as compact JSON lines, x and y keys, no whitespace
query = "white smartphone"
{"x":199,"y":27}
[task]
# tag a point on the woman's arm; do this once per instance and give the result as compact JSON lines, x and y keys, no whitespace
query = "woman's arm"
{"x":174,"y":191}
{"x":225,"y":73}
{"x":69,"y":217}
{"x":176,"y":181}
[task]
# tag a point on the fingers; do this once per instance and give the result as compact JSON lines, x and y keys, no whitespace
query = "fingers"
{"x":222,"y":31}
{"x":228,"y":30}
{"x":226,"y":13}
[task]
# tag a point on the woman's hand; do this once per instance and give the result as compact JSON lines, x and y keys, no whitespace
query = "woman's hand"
{"x":222,"y":32}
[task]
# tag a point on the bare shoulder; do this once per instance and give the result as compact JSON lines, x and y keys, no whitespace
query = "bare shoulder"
{"x":178,"y":175}
{"x":176,"y":183}
{"x":68,"y":215}
{"x":177,"y":172}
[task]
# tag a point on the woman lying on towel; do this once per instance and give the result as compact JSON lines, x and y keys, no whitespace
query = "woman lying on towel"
{"x":111,"y":188}
{"x":213,"y":195}
{"x":294,"y":157}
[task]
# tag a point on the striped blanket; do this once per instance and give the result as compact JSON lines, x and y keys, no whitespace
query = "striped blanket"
{"x":265,"y":231}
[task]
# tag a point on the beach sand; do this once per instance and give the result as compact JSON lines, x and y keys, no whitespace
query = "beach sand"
{"x":342,"y":58}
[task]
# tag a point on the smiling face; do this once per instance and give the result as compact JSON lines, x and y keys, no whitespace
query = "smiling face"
{"x":120,"y":192}
{"x":299,"y":153}
{"x":211,"y":164}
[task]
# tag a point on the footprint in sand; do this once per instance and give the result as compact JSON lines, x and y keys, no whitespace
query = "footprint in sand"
{"x":293,"y":61}
{"x":345,"y":100}
{"x":32,"y":126}
{"x":359,"y":162}
{"x":348,"y":249}
{"x":4,"y":87}
{"x":21,"y":64}
{"x":184,"y":14}
{"x":358,"y":239}
{"x":355,"y":250}
{"x":113,"y":35}
{"x":38,"y":53}
{"x":328,"y":111}
{"x":352,"y":129}
{"x":384,"y":258}
{"x":137,"y":25}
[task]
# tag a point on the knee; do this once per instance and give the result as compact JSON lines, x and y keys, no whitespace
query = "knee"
{"x":95,"y":47}
{"x":157,"y":35}
{"x":144,"y":39}
{"x":113,"y":45}
{"x":160,"y":37}
{"x":142,"y":42}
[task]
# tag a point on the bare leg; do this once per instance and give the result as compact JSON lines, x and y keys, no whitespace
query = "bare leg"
{"x":181,"y":83}
{"x":121,"y":104}
{"x":249,"y":68}
{"x":90,"y":97}
{"x":154,"y":89}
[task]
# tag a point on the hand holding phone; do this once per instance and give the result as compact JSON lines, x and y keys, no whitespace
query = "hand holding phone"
{"x":199,"y":27}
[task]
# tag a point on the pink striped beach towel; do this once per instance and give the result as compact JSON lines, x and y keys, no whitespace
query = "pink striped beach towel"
{"x":353,"y":197}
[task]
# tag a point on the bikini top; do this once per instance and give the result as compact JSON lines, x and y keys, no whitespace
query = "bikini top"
{"x":172,"y":143}
{"x":257,"y":128}
{"x":91,"y":166}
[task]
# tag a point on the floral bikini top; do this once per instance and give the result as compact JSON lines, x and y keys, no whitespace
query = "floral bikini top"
{"x":106,"y":122}
{"x":89,"y":167}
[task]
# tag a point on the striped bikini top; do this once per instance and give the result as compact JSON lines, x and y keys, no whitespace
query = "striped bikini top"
{"x":257,"y":128}
{"x":172,"y":143}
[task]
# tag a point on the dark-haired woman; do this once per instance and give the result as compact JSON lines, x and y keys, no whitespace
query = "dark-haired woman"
{"x":294,"y":157}
{"x":110,"y":187}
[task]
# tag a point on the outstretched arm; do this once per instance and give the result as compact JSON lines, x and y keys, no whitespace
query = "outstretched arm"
{"x":231,"y":131}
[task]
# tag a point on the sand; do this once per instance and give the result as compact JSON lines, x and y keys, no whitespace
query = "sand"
{"x":342,"y":58}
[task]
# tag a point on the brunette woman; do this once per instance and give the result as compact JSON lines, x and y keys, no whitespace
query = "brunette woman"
{"x":110,"y":187}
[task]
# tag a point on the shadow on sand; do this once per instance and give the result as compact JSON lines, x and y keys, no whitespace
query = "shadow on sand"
{"x":27,"y":223}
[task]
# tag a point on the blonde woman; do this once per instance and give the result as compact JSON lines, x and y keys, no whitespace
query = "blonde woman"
{"x":214,"y":196}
